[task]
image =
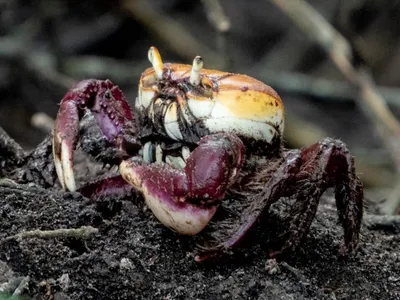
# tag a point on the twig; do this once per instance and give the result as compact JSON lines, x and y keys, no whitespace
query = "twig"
{"x":14,"y":286}
{"x":340,"y":51}
{"x":392,"y":203}
{"x":172,"y":33}
{"x":83,"y":232}
{"x":120,"y":71}
{"x":319,"y":30}
{"x":22,"y":287}
{"x":382,"y":222}
{"x":221,"y":23}
{"x":42,"y":63}
{"x":296,"y":272}
{"x":216,"y":15}
{"x":302,"y":133}
{"x":320,"y":88}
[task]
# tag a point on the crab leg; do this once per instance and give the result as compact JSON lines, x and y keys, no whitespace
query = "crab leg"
{"x":186,"y":199}
{"x":112,"y":112}
{"x":324,"y":165}
{"x":279,"y":184}
{"x":306,"y":175}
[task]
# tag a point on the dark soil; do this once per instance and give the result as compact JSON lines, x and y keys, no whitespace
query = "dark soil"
{"x":134,"y":257}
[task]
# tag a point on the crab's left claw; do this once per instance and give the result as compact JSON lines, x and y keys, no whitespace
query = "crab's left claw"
{"x":112,"y":112}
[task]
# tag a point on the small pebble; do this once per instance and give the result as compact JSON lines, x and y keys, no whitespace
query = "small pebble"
{"x":272,"y":266}
{"x":64,"y":281}
{"x":126,"y":264}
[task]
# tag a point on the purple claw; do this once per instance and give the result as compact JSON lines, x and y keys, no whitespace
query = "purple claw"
{"x":111,"y":110}
{"x":186,"y":199}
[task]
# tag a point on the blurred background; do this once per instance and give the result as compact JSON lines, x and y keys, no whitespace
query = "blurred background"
{"x":343,"y":83}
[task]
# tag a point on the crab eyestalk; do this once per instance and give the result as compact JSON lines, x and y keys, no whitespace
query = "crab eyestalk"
{"x":196,"y":68}
{"x":156,"y":61}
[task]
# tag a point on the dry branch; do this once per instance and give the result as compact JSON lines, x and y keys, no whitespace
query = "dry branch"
{"x":341,"y":53}
{"x":216,"y":15}
{"x":83,"y":233}
{"x":171,"y":33}
{"x":221,"y":23}
{"x":320,"y":88}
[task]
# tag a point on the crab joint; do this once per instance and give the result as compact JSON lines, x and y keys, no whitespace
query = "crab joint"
{"x":196,"y":68}
{"x":156,"y":61}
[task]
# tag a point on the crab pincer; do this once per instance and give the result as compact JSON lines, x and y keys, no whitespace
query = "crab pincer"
{"x":111,"y":111}
{"x":186,"y":199}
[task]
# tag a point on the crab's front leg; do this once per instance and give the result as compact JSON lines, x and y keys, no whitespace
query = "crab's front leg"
{"x":186,"y":199}
{"x":112,"y":112}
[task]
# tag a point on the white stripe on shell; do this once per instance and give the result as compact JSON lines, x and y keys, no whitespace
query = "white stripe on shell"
{"x":248,"y":128}
{"x":171,"y":124}
{"x":201,"y":108}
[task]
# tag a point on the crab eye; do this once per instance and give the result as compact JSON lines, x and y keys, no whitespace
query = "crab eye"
{"x":207,"y":84}
{"x":156,"y":61}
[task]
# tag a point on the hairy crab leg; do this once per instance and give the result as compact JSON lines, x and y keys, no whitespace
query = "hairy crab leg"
{"x":186,"y":199}
{"x":112,"y":112}
{"x":281,"y":182}
{"x":349,"y":193}
{"x":326,"y":164}
{"x":307,"y":175}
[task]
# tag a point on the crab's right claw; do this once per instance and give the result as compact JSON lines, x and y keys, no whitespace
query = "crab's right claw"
{"x":65,"y":137}
{"x":111,"y":110}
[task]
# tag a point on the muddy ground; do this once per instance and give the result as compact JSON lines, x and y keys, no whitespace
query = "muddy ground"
{"x":132,"y":256}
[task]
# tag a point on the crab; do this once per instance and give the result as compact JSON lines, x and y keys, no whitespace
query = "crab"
{"x":197,"y":135}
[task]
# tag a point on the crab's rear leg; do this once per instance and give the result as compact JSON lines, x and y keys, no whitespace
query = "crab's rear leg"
{"x":280,"y":184}
{"x":321,"y":166}
{"x":112,"y":112}
{"x":324,"y":165}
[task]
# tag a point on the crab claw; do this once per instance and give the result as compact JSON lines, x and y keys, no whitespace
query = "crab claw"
{"x":64,"y":142}
{"x":186,"y":199}
{"x":109,"y":107}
